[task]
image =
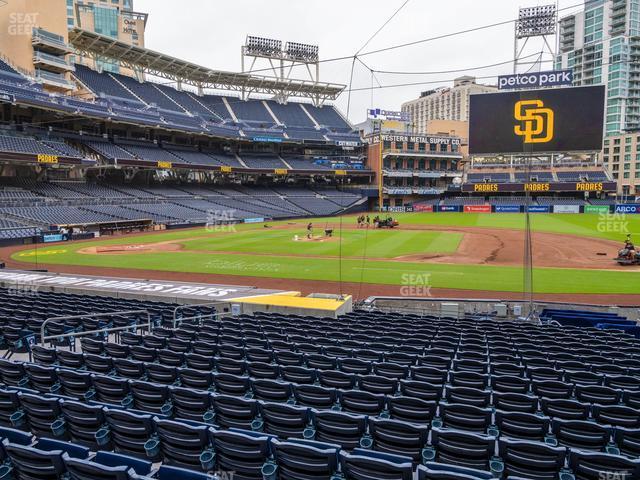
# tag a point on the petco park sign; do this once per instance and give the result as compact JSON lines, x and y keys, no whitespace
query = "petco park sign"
{"x":535,"y":80}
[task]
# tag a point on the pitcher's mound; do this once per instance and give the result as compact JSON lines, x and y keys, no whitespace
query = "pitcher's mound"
{"x":314,"y":238}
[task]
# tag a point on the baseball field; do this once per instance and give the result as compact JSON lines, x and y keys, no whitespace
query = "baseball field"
{"x":573,"y":254}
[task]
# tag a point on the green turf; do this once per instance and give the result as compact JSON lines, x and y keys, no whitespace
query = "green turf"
{"x":283,"y":256}
{"x":378,"y":243}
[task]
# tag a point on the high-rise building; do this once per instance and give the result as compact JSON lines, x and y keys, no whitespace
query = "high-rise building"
{"x":34,"y":35}
{"x":113,"y":18}
{"x":601,"y":44}
{"x":444,"y":103}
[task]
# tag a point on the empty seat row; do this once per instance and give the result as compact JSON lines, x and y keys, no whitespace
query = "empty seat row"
{"x":253,"y":454}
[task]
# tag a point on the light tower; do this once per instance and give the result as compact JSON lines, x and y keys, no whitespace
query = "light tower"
{"x":535,"y":22}
{"x":269,"y":54}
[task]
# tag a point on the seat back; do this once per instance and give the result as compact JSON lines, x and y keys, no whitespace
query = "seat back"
{"x":439,"y":471}
{"x":242,"y":453}
{"x":399,"y":438}
{"x":464,"y":449}
{"x":531,"y":459}
{"x":181,"y":444}
{"x":344,"y":429}
{"x":305,"y":460}
{"x":129,"y":431}
{"x":82,"y":422}
{"x":596,"y":466}
{"x":368,"y":465}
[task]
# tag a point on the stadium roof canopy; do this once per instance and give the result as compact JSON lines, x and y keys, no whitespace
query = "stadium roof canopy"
{"x":183,"y":72}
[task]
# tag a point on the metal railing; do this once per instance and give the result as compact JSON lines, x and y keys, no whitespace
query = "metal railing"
{"x":43,"y":327}
{"x":176,"y":320}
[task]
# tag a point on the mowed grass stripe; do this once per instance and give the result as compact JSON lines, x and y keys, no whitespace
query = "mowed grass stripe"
{"x":472,"y":277}
{"x":379,"y":243}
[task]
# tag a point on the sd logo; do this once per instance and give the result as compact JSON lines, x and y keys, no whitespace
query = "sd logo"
{"x":537,"y":122}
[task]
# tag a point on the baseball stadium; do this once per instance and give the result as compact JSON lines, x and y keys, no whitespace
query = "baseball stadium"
{"x":214,"y":274}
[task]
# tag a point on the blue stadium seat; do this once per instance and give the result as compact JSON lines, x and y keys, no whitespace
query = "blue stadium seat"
{"x":525,"y":426}
{"x":464,"y":417}
{"x":399,"y":438}
{"x":344,"y":429}
{"x":286,"y":421}
{"x":628,"y":441}
{"x":235,"y":412}
{"x":304,"y":460}
{"x":42,"y":415}
{"x":412,"y":410}
{"x":530,"y":459}
{"x":581,"y":435}
{"x":465,"y":449}
{"x":76,"y":384}
{"x":128,"y":431}
{"x":106,"y":466}
{"x":440,"y":471}
{"x":367,"y":465}
{"x":596,"y":466}
{"x":151,"y":397}
{"x":42,"y":461}
{"x":189,"y":404}
{"x":179,"y":444}
{"x":82,"y":422}
{"x":315,"y":396}
{"x":362,"y":402}
{"x":244,"y":453}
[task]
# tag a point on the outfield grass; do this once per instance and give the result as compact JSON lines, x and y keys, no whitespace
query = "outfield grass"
{"x":378,"y":243}
{"x":277,"y":244}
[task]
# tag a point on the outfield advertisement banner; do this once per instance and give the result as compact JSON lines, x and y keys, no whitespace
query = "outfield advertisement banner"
{"x":450,"y":208}
{"x":566,"y":209}
{"x":477,"y":209}
{"x":528,"y":121}
{"x":508,"y":208}
{"x":398,"y":209}
{"x":52,"y":237}
{"x":629,"y":208}
{"x":254,"y":220}
{"x":597,"y":209}
{"x":539,"y":209}
{"x":423,"y":208}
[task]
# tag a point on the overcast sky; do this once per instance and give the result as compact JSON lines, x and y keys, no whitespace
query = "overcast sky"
{"x":211,"y":32}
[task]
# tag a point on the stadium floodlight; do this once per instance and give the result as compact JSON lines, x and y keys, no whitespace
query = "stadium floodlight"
{"x":267,"y":47}
{"x":536,"y":21}
{"x":302,"y":52}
